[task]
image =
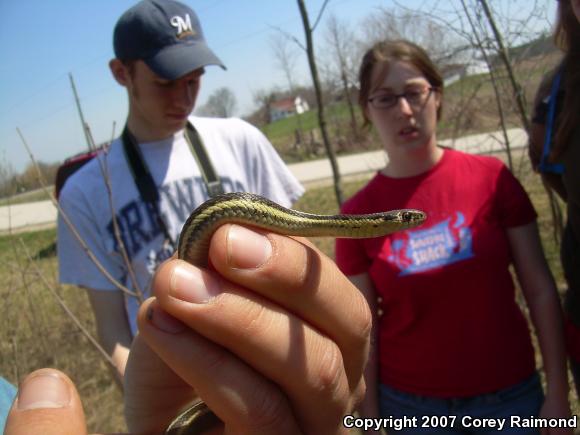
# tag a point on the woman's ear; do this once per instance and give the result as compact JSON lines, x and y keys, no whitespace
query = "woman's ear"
{"x":438,"y":99}
{"x":120,"y":71}
{"x":366,"y":114}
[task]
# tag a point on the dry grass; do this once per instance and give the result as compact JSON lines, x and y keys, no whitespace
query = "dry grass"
{"x":37,"y":333}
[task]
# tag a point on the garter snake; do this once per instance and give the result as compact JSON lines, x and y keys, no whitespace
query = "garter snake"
{"x":256,"y":211}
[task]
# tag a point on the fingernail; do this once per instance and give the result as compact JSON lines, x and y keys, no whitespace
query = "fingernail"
{"x":190,"y":284}
{"x":43,"y":391}
{"x":163,"y":321}
{"x":247,"y":249}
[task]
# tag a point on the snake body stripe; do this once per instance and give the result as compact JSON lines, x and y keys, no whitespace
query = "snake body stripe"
{"x":256,"y":211}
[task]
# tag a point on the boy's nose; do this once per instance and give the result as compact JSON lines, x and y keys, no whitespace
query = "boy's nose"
{"x":184,"y":95}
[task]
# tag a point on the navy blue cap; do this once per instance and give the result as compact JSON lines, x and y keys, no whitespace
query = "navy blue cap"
{"x":166,"y":35}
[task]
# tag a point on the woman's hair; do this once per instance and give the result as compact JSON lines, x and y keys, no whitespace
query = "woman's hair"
{"x":386,"y":53}
{"x":567,"y":38}
{"x":567,"y":32}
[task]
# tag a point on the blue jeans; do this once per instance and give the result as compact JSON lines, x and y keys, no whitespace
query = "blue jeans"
{"x":465,"y":415}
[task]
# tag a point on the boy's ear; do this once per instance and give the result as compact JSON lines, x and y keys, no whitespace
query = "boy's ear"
{"x":120,"y":71}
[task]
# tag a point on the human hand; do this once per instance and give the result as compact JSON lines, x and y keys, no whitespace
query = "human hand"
{"x":47,"y":404}
{"x":274,"y":340}
{"x":279,"y":347}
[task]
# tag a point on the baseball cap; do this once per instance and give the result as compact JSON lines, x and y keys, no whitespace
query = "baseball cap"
{"x":166,"y":35}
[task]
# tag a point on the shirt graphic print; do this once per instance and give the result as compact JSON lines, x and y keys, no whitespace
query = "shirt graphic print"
{"x":444,"y":243}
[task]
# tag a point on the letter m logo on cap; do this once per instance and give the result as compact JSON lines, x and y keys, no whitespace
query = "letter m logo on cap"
{"x":183,"y":26}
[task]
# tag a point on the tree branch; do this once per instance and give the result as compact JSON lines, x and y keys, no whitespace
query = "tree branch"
{"x":319,"y":15}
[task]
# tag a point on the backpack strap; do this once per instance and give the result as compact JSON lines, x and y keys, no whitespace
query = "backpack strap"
{"x":144,"y":180}
{"x":545,"y":165}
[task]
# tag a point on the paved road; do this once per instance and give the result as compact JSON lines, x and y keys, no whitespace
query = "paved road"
{"x":42,"y":214}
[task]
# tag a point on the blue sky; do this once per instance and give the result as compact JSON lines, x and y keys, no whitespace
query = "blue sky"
{"x":41,"y":41}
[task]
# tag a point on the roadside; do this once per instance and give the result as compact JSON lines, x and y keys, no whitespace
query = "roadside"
{"x":42,"y":214}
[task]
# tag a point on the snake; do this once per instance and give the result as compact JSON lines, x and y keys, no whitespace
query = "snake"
{"x":262,"y":213}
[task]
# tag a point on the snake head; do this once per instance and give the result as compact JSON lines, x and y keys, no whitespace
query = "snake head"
{"x":413,"y":218}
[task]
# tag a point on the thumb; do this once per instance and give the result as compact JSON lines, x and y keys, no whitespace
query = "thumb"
{"x":47,"y":404}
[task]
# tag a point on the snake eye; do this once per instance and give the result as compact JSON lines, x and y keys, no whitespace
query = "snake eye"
{"x":412,"y":216}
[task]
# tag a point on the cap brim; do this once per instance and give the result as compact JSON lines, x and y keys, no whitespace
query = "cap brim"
{"x":178,"y":60}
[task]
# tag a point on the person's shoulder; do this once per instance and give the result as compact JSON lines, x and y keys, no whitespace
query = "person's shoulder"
{"x":483,"y":174}
{"x":472,"y":162}
{"x":239,"y":135}
{"x":87,"y":179}
{"x":227,"y":125}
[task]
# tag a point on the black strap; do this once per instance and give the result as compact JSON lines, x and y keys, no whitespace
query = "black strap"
{"x":144,"y":180}
{"x":139,"y":169}
{"x":210,"y":177}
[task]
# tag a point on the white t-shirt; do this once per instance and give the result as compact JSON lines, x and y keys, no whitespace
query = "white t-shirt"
{"x":241,"y":155}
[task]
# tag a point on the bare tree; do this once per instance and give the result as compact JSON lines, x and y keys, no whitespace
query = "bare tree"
{"x":341,"y":41}
{"x":494,"y":83}
{"x":221,"y":104}
{"x":519,"y":98}
{"x":415,"y":26}
{"x":286,"y":57}
{"x":264,"y":100}
{"x":321,"y":115}
{"x":504,"y":56}
{"x":7,"y":178}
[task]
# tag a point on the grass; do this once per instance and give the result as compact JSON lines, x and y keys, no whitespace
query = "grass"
{"x":26,"y":197}
{"x":309,"y":120}
{"x":36,"y":332}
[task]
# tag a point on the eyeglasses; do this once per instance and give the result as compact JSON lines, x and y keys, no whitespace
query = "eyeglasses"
{"x":416,"y":97}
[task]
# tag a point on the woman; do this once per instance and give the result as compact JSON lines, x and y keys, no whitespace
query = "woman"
{"x":557,"y":157}
{"x":451,"y":340}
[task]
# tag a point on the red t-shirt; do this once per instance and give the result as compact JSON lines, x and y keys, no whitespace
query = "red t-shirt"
{"x":450,"y":325}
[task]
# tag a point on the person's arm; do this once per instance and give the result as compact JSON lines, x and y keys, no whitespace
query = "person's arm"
{"x":369,"y":407}
{"x":113,"y":327}
{"x":541,"y":296}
